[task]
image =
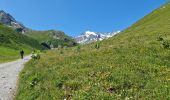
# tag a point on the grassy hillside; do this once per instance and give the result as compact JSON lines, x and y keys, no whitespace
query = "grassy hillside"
{"x":52,"y":38}
{"x":131,"y":65}
{"x":11,"y":42}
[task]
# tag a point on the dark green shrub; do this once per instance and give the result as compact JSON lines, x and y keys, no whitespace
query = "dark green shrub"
{"x":61,"y":52}
{"x":34,"y":82}
{"x":164,"y":42}
{"x":97,"y":46}
{"x":78,"y":48}
{"x":59,"y":84}
{"x":160,"y":38}
{"x":166,"y":45}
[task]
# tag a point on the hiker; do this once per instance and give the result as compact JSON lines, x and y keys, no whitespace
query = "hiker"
{"x":22,"y":54}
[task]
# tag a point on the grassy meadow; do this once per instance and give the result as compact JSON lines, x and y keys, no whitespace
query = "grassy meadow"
{"x":12,"y":42}
{"x":133,"y":65}
{"x":8,"y":54}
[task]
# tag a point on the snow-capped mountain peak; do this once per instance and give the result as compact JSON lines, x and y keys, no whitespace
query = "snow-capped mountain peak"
{"x":89,"y":36}
{"x":88,"y":33}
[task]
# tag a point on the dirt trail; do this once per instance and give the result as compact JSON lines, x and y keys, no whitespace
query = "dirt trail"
{"x":8,"y":77}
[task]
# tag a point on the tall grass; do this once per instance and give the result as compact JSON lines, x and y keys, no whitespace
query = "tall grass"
{"x":131,"y":65}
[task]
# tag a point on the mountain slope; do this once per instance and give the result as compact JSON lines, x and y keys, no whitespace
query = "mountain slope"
{"x":11,"y":42}
{"x":131,"y":65}
{"x":89,"y":37}
{"x":49,"y":39}
{"x":52,"y":38}
{"x":8,"y":20}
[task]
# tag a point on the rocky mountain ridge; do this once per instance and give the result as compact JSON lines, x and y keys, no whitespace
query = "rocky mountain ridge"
{"x":8,"y":20}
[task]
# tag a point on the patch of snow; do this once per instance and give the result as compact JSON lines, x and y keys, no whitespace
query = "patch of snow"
{"x":88,"y":33}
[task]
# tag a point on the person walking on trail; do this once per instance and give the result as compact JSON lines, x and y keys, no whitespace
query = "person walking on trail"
{"x":22,"y":54}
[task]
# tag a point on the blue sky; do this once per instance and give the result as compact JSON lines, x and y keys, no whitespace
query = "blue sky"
{"x":77,"y":16}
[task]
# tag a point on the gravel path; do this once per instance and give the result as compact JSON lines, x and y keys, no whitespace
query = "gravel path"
{"x":8,"y":77}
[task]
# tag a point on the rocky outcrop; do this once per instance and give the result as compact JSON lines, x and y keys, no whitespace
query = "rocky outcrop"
{"x":8,"y":20}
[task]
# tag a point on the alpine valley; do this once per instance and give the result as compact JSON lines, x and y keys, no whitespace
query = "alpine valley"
{"x":14,"y":36}
{"x":132,"y":65}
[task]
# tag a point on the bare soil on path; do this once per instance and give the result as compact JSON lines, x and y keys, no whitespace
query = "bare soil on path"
{"x":9,"y":73}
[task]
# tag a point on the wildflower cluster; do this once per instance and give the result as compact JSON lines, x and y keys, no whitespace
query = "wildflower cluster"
{"x":36,"y":54}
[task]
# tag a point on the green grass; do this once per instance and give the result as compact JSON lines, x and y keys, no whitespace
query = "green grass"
{"x":52,"y":37}
{"x":8,"y":54}
{"x":131,"y":65}
{"x":12,"y":42}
